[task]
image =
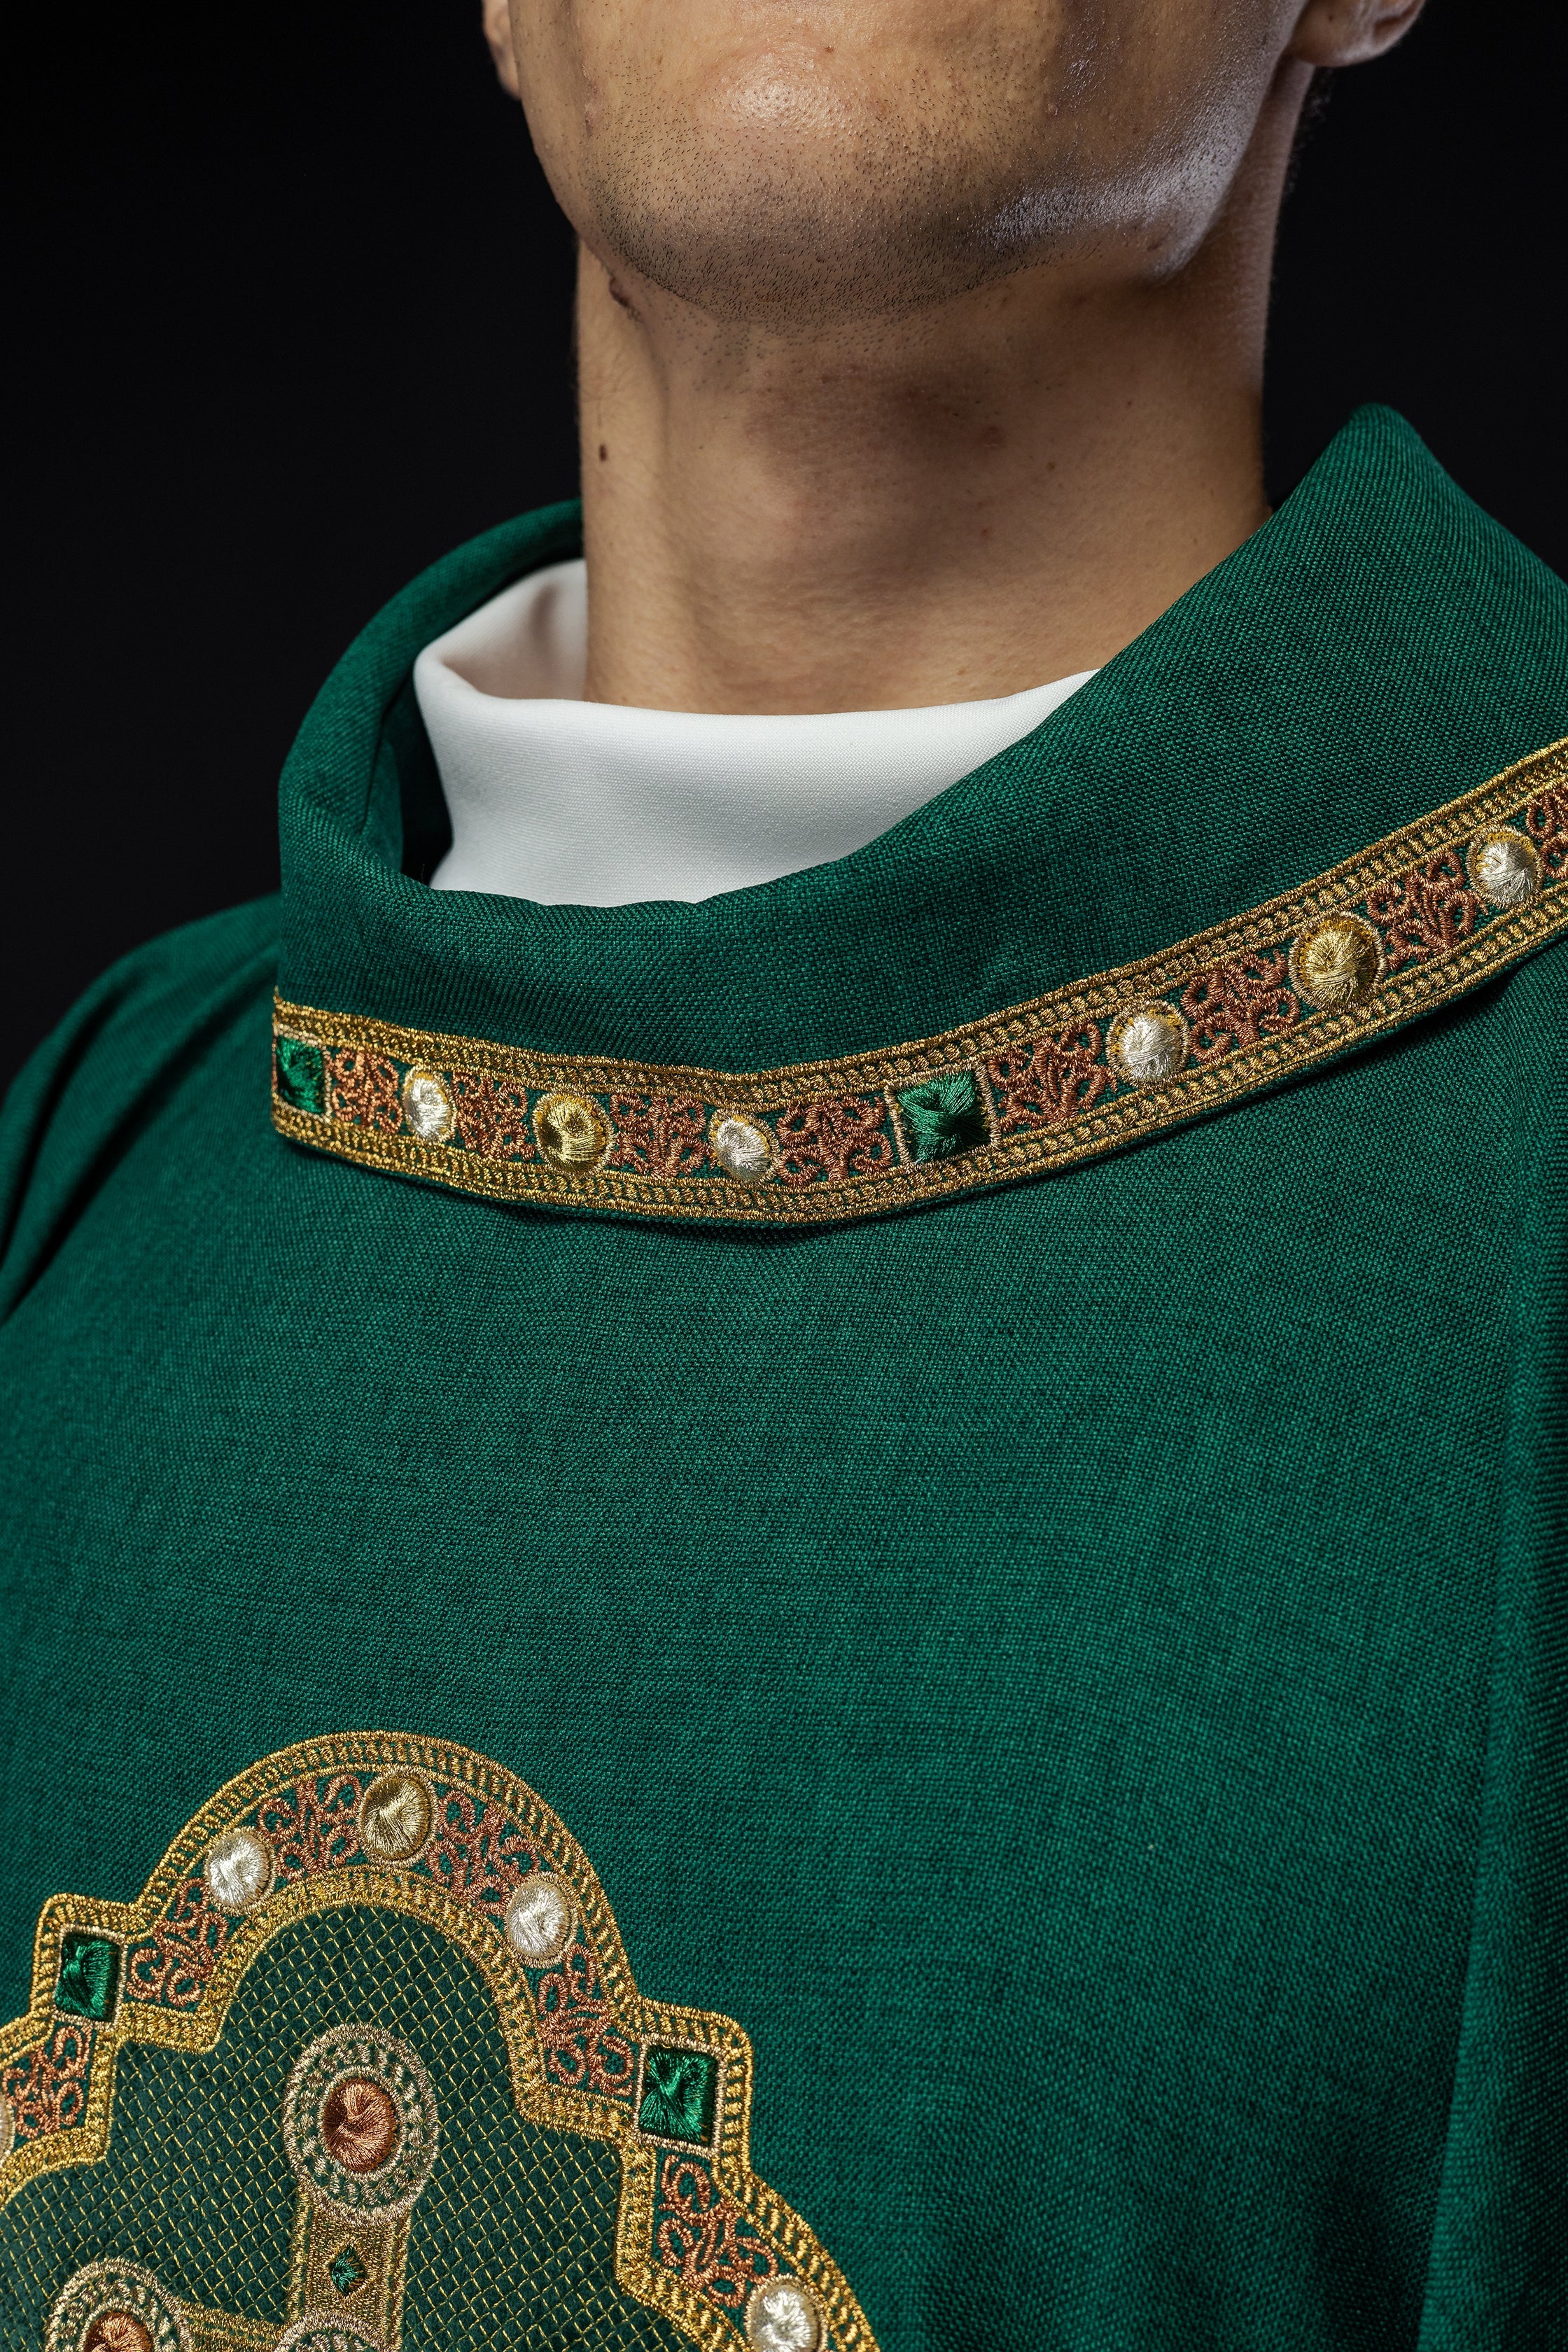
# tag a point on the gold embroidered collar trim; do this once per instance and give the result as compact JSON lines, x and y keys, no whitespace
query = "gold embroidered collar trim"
{"x":1409,"y":924}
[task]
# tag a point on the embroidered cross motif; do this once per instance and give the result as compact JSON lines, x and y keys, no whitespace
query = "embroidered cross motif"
{"x":333,"y":1882}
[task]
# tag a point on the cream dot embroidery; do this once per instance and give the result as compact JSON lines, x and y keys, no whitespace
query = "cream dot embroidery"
{"x":539,"y":1921}
{"x":741,"y":1148}
{"x":783,"y":2315}
{"x":237,"y":1870}
{"x":1148,"y":1044}
{"x":428,"y":1106}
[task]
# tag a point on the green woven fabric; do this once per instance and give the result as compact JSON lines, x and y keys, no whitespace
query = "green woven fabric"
{"x":1077,"y":1672}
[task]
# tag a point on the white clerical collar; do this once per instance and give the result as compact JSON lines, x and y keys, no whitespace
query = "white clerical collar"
{"x":595,"y":805}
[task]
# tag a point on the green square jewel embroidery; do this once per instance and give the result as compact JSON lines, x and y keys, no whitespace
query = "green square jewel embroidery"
{"x":346,"y":2271}
{"x":89,"y":1975}
{"x":302,"y":1075}
{"x":679,"y":2092}
{"x":944,"y":1115}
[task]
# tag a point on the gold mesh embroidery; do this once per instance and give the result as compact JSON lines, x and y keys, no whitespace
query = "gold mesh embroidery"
{"x":571,"y":2028}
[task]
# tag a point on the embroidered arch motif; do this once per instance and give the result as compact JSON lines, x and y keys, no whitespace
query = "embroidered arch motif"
{"x":433,"y":1834}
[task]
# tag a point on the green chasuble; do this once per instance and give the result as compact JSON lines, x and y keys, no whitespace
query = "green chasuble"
{"x":833,"y":1620}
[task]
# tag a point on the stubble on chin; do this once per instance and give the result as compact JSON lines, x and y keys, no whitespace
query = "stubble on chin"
{"x":786,"y":211}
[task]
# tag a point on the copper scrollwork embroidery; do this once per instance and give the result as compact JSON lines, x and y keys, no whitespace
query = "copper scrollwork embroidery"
{"x":660,"y":1134}
{"x":837,"y":1137}
{"x":175,"y":1966}
{"x":699,"y":2235}
{"x":46,"y":2088}
{"x":1425,"y":912}
{"x":1239,"y":1004}
{"x":477,"y":1852}
{"x":314,"y":1826}
{"x":1546,"y":821}
{"x":364,"y":1089}
{"x":1049,"y":1082}
{"x":490,"y":1118}
{"x":576,"y":2026}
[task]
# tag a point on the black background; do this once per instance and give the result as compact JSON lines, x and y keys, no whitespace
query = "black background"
{"x":290,"y":312}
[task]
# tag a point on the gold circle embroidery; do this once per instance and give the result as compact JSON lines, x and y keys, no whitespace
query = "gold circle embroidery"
{"x":396,"y":1814}
{"x":1504,"y":867}
{"x":571,"y":1131}
{"x":1336,"y":962}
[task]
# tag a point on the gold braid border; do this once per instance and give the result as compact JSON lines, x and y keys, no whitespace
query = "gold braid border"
{"x":838,"y":1141}
{"x":544,"y":2101}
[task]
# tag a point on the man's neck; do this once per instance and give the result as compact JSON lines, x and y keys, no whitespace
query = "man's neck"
{"x":995,"y":493}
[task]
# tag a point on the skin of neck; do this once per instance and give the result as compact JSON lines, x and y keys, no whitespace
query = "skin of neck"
{"x":964,"y":500}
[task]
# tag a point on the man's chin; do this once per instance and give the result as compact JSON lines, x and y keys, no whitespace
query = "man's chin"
{"x":771,"y":252}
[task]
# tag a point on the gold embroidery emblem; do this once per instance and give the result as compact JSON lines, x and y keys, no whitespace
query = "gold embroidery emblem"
{"x":361,"y":2128}
{"x":1336,"y":962}
{"x":116,"y":2306}
{"x":394,"y":1816}
{"x":572,"y":1132}
{"x":1504,"y":865}
{"x":377,"y":1872}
